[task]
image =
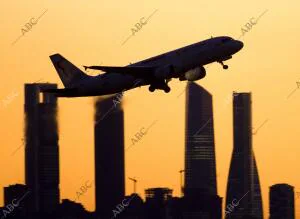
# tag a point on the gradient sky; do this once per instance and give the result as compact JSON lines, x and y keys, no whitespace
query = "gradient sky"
{"x":92,"y":33}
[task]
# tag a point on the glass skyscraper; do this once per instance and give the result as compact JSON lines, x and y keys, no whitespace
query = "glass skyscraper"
{"x":200,"y":190}
{"x":200,"y":162}
{"x":41,"y":148}
{"x":243,"y":197}
{"x":109,"y":155}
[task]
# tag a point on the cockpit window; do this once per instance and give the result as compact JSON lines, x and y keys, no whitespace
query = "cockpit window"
{"x":226,"y":40}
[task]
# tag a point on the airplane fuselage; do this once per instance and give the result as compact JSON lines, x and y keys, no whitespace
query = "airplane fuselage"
{"x":176,"y":62}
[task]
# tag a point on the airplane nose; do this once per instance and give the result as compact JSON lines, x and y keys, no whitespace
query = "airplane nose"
{"x":240,"y":45}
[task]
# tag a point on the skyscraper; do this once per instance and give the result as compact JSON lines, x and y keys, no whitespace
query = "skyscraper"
{"x":109,"y":155}
{"x":200,"y":162}
{"x":243,"y":187}
{"x":282,"y":204}
{"x":41,"y":148}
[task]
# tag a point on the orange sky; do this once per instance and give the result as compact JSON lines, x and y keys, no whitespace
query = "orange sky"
{"x":92,"y":33}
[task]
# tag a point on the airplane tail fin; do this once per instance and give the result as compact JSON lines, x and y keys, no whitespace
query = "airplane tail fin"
{"x":69,"y":74}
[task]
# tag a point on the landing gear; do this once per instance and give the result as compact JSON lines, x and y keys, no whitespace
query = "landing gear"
{"x":224,"y":66}
{"x":151,"y":88}
{"x":162,"y":85}
{"x":167,"y":89}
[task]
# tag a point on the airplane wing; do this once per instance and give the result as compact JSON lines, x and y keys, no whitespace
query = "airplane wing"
{"x":123,"y":70}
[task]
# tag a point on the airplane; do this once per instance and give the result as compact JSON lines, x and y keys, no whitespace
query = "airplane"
{"x":186,"y":64}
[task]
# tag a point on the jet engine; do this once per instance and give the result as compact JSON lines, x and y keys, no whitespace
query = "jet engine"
{"x":194,"y":74}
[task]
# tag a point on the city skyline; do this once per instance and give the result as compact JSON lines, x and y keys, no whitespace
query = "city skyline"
{"x":97,"y":38}
{"x":109,"y":118}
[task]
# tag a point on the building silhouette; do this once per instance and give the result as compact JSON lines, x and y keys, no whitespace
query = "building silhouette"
{"x":243,"y":180}
{"x":200,"y":186}
{"x":156,"y":202}
{"x":72,"y":210}
{"x":132,"y":207}
{"x":109,"y":155}
{"x":41,"y":148}
{"x":282,"y":204}
{"x":200,"y":162}
{"x":15,"y":200}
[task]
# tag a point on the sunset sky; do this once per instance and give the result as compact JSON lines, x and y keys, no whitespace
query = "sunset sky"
{"x":92,"y":32}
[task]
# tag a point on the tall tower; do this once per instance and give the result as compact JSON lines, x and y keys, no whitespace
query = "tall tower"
{"x":109,"y":155}
{"x":200,"y":162}
{"x":41,"y":148}
{"x":243,"y":180}
{"x":282,"y":202}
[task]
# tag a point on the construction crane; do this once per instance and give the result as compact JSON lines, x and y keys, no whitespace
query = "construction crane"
{"x":181,"y":181}
{"x":134,"y":180}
